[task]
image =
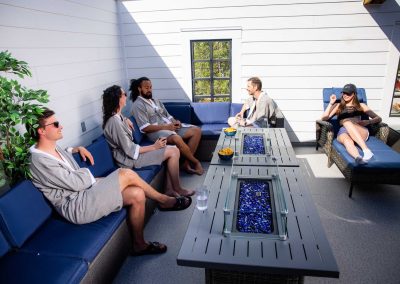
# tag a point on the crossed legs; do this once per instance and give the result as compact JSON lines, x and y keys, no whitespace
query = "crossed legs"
{"x":358,"y":134}
{"x":193,"y":135}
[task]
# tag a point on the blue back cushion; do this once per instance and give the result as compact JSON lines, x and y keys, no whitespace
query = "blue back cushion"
{"x":204,"y":113}
{"x":137,"y":135}
{"x":235,"y":108}
{"x":103,"y":160}
{"x":4,"y":246}
{"x":180,"y":110}
{"x":22,"y":211}
{"x":327,"y":92}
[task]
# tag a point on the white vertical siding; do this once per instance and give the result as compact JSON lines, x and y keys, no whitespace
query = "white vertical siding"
{"x":74,"y":51}
{"x":295,"y":47}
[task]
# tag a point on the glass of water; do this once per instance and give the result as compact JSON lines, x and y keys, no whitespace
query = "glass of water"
{"x":202,"y":198}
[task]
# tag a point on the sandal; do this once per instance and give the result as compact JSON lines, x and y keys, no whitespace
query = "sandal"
{"x":152,"y":248}
{"x":180,"y":204}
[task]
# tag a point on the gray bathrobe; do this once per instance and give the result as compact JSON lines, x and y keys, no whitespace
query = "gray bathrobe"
{"x":70,"y":190}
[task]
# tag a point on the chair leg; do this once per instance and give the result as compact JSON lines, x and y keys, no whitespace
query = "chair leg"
{"x":351,"y":189}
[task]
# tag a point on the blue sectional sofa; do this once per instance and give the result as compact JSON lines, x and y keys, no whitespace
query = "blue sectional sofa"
{"x":39,"y":246}
{"x":384,"y":167}
{"x":211,"y":118}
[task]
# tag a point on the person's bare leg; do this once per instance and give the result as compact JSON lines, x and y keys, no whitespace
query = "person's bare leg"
{"x":173,"y":183}
{"x":186,"y":153}
{"x":193,"y":136}
{"x":357,"y":133}
{"x":348,"y":143}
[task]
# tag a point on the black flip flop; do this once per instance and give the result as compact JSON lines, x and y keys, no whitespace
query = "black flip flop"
{"x":152,"y":248}
{"x":180,"y":204}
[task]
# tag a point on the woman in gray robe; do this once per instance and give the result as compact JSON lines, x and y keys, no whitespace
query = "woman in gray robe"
{"x":127,"y":154}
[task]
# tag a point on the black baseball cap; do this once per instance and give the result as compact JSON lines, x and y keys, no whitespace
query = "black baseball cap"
{"x":349,"y":89}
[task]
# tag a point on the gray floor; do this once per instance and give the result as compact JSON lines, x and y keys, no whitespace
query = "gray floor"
{"x":363,"y":231}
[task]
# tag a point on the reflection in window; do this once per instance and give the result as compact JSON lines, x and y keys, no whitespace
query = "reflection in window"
{"x":395,"y":110}
{"x":211,"y":70}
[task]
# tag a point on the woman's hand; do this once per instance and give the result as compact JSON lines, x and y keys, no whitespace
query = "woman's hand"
{"x":332,"y":99}
{"x":160,"y":143}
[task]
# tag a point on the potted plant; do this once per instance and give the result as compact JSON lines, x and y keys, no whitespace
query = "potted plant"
{"x":20,"y":107}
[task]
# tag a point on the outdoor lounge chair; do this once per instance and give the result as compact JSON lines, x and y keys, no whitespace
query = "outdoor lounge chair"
{"x":384,"y":167}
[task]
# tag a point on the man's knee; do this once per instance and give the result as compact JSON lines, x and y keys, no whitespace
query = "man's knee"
{"x":127,"y":175}
{"x":136,"y":197}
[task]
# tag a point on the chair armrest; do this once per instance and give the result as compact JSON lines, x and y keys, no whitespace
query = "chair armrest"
{"x":380,"y":131}
{"x":324,"y":133}
{"x":277,"y":120}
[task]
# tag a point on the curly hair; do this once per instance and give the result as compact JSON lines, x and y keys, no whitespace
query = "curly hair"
{"x":135,"y":84}
{"x":111,"y":97}
{"x":32,"y":129}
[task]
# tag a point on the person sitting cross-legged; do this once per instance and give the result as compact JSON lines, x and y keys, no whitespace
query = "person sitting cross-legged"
{"x":127,"y":154}
{"x":79,"y":197}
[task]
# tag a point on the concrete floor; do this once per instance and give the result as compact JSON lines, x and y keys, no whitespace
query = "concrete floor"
{"x":363,"y":231}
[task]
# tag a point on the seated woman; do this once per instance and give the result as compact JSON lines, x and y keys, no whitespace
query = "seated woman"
{"x":353,"y":128}
{"x":127,"y":154}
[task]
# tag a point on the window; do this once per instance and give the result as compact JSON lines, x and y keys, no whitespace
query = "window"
{"x":211,"y":70}
{"x":395,"y":110}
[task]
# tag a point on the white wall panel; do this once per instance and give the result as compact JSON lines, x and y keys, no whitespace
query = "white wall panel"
{"x":74,"y":50}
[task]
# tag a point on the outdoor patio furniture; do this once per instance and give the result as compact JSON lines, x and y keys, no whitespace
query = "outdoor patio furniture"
{"x":384,"y":167}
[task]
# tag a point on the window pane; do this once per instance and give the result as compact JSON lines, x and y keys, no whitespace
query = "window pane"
{"x":203,"y":100}
{"x":221,"y":49}
{"x":202,"y":88}
{"x":395,"y":110}
{"x":221,"y":87}
{"x":201,"y":50}
{"x":222,"y":100}
{"x":202,"y":69}
{"x":222,"y":69}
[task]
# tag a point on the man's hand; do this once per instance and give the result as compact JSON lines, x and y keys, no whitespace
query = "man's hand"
{"x":84,"y":154}
{"x":171,"y":126}
{"x":239,"y":115}
{"x":177,"y":124}
{"x":160,"y":143}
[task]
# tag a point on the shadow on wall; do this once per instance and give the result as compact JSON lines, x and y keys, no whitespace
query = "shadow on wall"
{"x":158,"y":58}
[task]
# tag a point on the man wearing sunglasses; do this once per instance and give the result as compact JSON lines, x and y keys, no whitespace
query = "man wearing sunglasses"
{"x":81,"y":198}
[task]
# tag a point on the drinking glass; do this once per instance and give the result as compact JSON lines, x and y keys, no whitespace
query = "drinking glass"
{"x":202,"y":198}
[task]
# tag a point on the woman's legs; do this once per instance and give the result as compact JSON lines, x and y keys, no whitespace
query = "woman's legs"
{"x":358,"y":134}
{"x":171,"y":155}
{"x":348,"y":143}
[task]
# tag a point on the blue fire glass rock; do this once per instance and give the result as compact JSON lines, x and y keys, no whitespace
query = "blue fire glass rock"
{"x":254,"y":207}
{"x":253,"y":145}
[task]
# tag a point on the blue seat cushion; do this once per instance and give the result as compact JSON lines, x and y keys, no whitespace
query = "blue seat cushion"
{"x":235,"y":108}
{"x":384,"y":156}
{"x":147,"y":173}
{"x":4,"y":245}
{"x":23,"y":210}
{"x":21,"y":267}
{"x":103,"y":160}
{"x":58,"y":237}
{"x":206,"y":113}
{"x":180,"y":110}
{"x":137,"y":135}
{"x":212,"y":130}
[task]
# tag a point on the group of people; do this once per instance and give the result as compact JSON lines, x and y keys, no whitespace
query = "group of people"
{"x":82,"y":198}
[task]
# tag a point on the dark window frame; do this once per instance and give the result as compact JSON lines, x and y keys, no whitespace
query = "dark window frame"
{"x":212,"y":79}
{"x":395,"y":105}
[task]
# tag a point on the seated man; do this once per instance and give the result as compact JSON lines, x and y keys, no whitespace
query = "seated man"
{"x":80,"y":198}
{"x":259,"y":104}
{"x":154,"y":120}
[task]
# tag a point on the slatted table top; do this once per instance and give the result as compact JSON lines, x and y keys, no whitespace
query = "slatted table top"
{"x":306,"y":251}
{"x":281,"y":149}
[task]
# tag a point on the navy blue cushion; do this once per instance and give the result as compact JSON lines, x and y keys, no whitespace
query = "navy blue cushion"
{"x":23,"y":267}
{"x":210,"y":113}
{"x":103,"y":160}
{"x":61,"y":238}
{"x":4,"y":245}
{"x":327,"y":92}
{"x":212,"y":129}
{"x":137,"y":135}
{"x":146,"y":174}
{"x":23,"y":210}
{"x":235,"y":108}
{"x":384,"y":156}
{"x":180,"y":110}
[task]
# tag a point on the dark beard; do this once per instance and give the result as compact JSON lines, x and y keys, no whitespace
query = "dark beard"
{"x":148,"y":95}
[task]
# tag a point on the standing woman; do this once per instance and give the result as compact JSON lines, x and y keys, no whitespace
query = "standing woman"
{"x":118,"y":132}
{"x":353,"y":128}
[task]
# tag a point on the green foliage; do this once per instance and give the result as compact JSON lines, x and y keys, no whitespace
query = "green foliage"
{"x":20,"y":107}
{"x":211,"y":70}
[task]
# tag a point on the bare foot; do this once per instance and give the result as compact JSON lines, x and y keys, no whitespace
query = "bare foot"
{"x":187,"y":168}
{"x":198,"y":169}
{"x":185,"y":192}
{"x":172,"y":193}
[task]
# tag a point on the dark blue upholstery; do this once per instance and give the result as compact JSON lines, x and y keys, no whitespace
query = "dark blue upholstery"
{"x":204,"y":113}
{"x":4,"y":245}
{"x":147,"y":174}
{"x":20,"y":267}
{"x":23,"y":210}
{"x":212,"y":130}
{"x":235,"y":108}
{"x":137,"y":135}
{"x":384,"y":156}
{"x":61,"y":238}
{"x":103,"y":160}
{"x":180,"y":110}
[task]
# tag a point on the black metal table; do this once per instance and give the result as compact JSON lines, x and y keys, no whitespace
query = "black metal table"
{"x":306,"y":250}
{"x":281,"y":148}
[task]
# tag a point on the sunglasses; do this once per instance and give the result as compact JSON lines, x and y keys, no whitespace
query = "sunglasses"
{"x":55,"y":123}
